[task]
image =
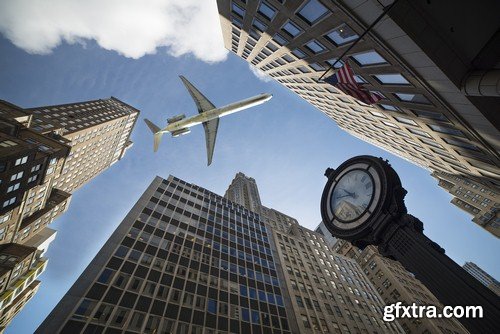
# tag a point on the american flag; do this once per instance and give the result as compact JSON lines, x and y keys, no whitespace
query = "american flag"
{"x":343,"y":79}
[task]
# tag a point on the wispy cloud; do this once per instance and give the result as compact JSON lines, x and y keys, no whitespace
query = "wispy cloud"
{"x":132,"y":28}
{"x":259,"y":73}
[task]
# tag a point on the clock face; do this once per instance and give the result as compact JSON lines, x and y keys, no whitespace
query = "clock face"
{"x":352,"y":195}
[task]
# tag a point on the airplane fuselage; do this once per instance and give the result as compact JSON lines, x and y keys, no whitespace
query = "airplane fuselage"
{"x":216,"y":112}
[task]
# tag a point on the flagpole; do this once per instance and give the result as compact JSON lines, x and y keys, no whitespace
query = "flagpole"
{"x":386,"y":10}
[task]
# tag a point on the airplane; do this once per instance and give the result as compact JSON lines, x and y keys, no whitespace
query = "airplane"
{"x":208,"y":115}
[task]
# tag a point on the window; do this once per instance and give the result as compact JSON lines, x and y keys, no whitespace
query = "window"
{"x":291,"y":29}
{"x":298,"y":53}
{"x":342,"y":35}
{"x":32,"y":178}
{"x":315,"y":46}
{"x":391,"y":79}
{"x":271,"y":46}
{"x":338,"y":64}
{"x":105,"y":276}
{"x":238,"y":10}
{"x":280,"y":39}
{"x":414,"y":98}
{"x":432,"y":115}
{"x":237,"y":22}
{"x":259,"y":25}
{"x":461,"y":143}
{"x":267,"y":11}
{"x":212,"y":306}
{"x":5,"y":218}
{"x":9,"y":202}
{"x":447,"y":130}
{"x":431,"y":143}
{"x":420,"y":133}
{"x":388,"y":107}
{"x":312,"y":11}
{"x":303,"y":69}
{"x":85,"y":308}
{"x":369,"y":58}
{"x":136,"y":321}
{"x":16,"y":176}
{"x":317,"y":67}
{"x":288,"y":58}
{"x":13,"y":187}
{"x":359,"y":79}
{"x":305,"y":321}
{"x":21,"y":161}
{"x":405,"y":121}
{"x":377,"y":114}
{"x":392,"y":125}
{"x":7,"y":143}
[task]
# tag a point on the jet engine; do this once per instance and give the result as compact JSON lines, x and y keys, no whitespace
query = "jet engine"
{"x":181,"y":132}
{"x":175,"y":118}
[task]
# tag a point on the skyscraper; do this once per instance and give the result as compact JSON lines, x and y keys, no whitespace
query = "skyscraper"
{"x":20,"y":266}
{"x":98,"y":132}
{"x":45,"y":154}
{"x":186,"y":260}
{"x":473,"y":198}
{"x":329,"y":293}
{"x":482,"y":276}
{"x":183,"y":260}
{"x":330,"y":239}
{"x":243,"y":190}
{"x":395,"y":284}
{"x":412,"y":58}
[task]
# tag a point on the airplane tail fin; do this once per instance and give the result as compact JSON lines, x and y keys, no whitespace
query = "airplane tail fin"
{"x":156,"y":132}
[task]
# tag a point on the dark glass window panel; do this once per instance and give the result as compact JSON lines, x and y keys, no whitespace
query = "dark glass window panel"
{"x":315,"y":46}
{"x":369,"y":58}
{"x":267,"y":10}
{"x":238,"y":10}
{"x":292,"y":29}
{"x":237,"y":22}
{"x":280,"y":39}
{"x":391,"y":79}
{"x":298,"y":53}
{"x":312,"y":11}
{"x":461,"y":143}
{"x":212,"y":306}
{"x":259,"y":25}
{"x":342,"y":35}
{"x":447,"y":130}
{"x":432,"y":115}
{"x":413,"y":98}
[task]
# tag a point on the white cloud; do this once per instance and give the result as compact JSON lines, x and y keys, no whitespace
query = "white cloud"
{"x":259,"y":73}
{"x":132,"y":28}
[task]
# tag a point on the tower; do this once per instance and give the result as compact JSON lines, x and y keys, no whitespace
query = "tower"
{"x":45,"y":154}
{"x":243,"y":190}
{"x":436,"y":75}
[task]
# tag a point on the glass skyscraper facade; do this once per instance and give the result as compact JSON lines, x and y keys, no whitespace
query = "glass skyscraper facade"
{"x":184,"y":260}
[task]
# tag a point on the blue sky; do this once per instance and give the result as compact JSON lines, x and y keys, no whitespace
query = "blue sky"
{"x":285,"y":144}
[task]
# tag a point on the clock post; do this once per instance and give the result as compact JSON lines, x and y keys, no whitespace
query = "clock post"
{"x":353,"y":210}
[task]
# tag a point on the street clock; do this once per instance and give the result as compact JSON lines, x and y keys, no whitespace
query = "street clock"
{"x":360,"y":197}
{"x":363,"y":202}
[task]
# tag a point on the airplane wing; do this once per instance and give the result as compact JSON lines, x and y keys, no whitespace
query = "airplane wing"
{"x":210,"y":135}
{"x":201,"y":101}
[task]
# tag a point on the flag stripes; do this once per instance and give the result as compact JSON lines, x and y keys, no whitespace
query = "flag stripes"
{"x":343,"y":79}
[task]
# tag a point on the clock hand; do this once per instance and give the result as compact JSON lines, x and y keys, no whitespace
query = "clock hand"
{"x":349,"y":193}
{"x":342,"y":196}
